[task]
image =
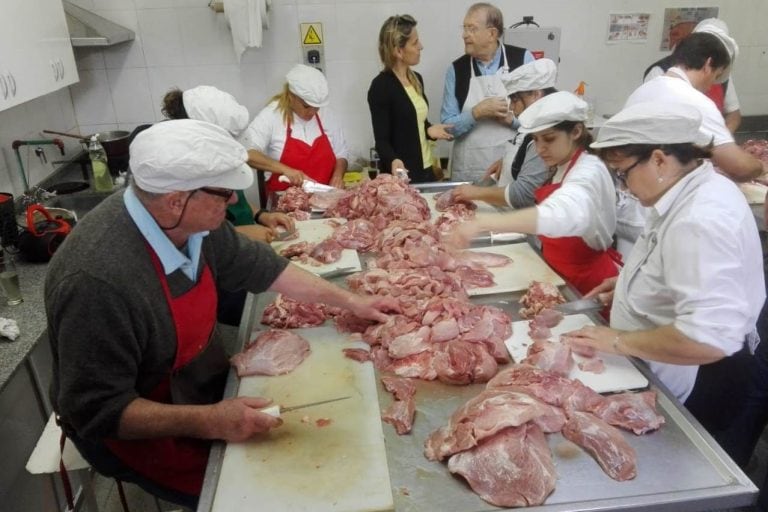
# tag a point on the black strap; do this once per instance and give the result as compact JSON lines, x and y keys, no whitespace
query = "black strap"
{"x":121,"y":492}
{"x":517,"y":163}
{"x":64,"y":475}
{"x":515,"y":58}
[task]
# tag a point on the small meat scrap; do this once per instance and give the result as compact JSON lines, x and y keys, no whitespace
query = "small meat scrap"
{"x":327,"y":251}
{"x":400,"y":415}
{"x":483,"y":259}
{"x":400,"y":387}
{"x":287,"y":313}
{"x":300,"y":215}
{"x":555,"y":357}
{"x":604,"y":443}
{"x":635,"y":412}
{"x":592,"y":365}
{"x":540,"y":295}
{"x":296,"y":250}
{"x":274,"y":352}
{"x":323,"y":422}
{"x":358,"y":354}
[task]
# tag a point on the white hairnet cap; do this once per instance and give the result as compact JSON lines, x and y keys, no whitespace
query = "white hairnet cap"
{"x":309,"y":84}
{"x":719,"y":29}
{"x":551,"y":110}
{"x":534,"y":76}
{"x":653,"y":122}
{"x":186,"y":154}
{"x":207,"y":103}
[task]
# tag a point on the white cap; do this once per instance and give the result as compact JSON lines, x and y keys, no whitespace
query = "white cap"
{"x":186,"y":154}
{"x":309,"y":84}
{"x":551,"y":110}
{"x":534,"y":76}
{"x":206,"y":103}
{"x":719,"y":29}
{"x":653,"y":122}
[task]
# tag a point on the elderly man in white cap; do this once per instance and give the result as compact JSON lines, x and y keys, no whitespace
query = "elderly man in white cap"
{"x":723,"y":94}
{"x":207,"y":103}
{"x":689,"y":295}
{"x":522,"y":170}
{"x":574,"y":214}
{"x":699,"y":61}
{"x":297,"y":136}
{"x":139,"y":367}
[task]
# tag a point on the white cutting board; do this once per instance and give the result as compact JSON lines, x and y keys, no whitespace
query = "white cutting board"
{"x":482,"y":206}
{"x":620,"y":374}
{"x":300,"y":466}
{"x":526,"y":266}
{"x":315,"y":231}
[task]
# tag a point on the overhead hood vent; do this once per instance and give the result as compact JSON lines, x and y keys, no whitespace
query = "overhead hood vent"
{"x":89,"y":29}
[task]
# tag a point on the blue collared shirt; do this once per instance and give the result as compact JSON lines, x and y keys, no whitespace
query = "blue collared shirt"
{"x":170,"y":257}
{"x":451,"y":113}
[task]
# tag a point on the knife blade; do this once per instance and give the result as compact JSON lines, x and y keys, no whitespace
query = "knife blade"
{"x":277,"y":410}
{"x":337,"y":272}
{"x":580,"y":306}
{"x":284,"y":235}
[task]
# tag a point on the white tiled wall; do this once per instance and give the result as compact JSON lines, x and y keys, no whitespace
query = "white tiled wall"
{"x":183,"y":43}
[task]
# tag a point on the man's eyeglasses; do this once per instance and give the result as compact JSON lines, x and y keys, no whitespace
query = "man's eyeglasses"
{"x":225,"y":193}
{"x":471,"y":29}
{"x":621,"y":174}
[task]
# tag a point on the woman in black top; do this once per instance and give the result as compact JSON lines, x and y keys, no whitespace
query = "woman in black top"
{"x":399,"y":106}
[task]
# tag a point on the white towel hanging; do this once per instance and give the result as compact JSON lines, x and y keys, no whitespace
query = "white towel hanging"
{"x":247,"y":20}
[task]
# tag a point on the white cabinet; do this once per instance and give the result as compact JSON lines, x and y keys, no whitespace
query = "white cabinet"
{"x":36,"y":56}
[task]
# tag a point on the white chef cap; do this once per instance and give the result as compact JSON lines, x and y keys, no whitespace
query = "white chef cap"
{"x":207,"y":103}
{"x":653,"y":122}
{"x":186,"y":154}
{"x":719,"y":29}
{"x":309,"y":84}
{"x":551,"y":110}
{"x":534,"y":76}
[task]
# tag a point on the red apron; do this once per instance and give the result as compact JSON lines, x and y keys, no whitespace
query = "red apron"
{"x":717,"y":94}
{"x":578,"y":263}
{"x":176,"y":463}
{"x":316,"y":161}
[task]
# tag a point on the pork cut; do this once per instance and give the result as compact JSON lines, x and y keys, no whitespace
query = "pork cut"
{"x":514,"y":468}
{"x":357,"y":354}
{"x":287,"y":313}
{"x":292,"y":199}
{"x":273,"y":352}
{"x":399,"y":387}
{"x":400,"y":414}
{"x":547,"y":355}
{"x":358,"y":234}
{"x":604,"y":443}
{"x":635,"y":412}
{"x":540,"y":295}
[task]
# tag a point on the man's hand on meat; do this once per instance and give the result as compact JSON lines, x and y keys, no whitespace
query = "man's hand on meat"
{"x":296,"y":177}
{"x":374,"y":308}
{"x":603,"y":291}
{"x":238,"y":419}
{"x":601,"y":338}
{"x":275,"y":220}
{"x":462,"y":234}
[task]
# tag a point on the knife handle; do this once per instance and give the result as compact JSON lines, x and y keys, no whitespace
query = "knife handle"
{"x":272,"y":410}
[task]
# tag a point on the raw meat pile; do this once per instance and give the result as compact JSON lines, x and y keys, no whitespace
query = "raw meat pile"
{"x":273,"y":352}
{"x":497,"y":442}
{"x":293,"y":198}
{"x":287,"y":313}
{"x":758,"y":148}
{"x":327,"y":251}
{"x":381,"y":200}
{"x":540,"y":295}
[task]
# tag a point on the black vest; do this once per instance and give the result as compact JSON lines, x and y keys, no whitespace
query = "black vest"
{"x":515,"y":58}
{"x":517,"y":163}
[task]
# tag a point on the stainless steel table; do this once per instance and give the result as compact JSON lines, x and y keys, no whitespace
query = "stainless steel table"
{"x":680,"y":467}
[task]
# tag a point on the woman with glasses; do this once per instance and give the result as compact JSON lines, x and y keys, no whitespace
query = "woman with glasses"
{"x":399,"y":105}
{"x":522,"y":170}
{"x":297,"y":136}
{"x":575,"y":213}
{"x":206,"y":103}
{"x":689,"y":295}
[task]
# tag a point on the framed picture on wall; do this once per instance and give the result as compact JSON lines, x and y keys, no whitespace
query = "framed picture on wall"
{"x":680,"y":21}
{"x":631,"y":27}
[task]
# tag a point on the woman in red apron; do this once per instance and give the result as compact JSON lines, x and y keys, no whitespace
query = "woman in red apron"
{"x":289,"y":139}
{"x":574,"y":215}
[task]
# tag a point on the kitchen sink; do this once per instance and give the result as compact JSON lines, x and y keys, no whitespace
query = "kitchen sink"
{"x":80,"y":203}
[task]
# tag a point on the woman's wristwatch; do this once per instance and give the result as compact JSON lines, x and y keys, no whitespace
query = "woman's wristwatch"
{"x":258,"y":214}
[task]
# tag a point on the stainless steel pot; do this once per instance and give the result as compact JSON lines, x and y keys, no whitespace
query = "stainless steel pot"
{"x":115,"y":142}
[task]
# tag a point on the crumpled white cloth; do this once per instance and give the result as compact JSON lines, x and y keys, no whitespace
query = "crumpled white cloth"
{"x":247,"y":20}
{"x":9,"y":328}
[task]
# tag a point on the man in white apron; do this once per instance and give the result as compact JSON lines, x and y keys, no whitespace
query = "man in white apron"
{"x":474,"y":99}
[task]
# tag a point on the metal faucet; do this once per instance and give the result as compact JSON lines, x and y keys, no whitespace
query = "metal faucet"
{"x":39,"y":142}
